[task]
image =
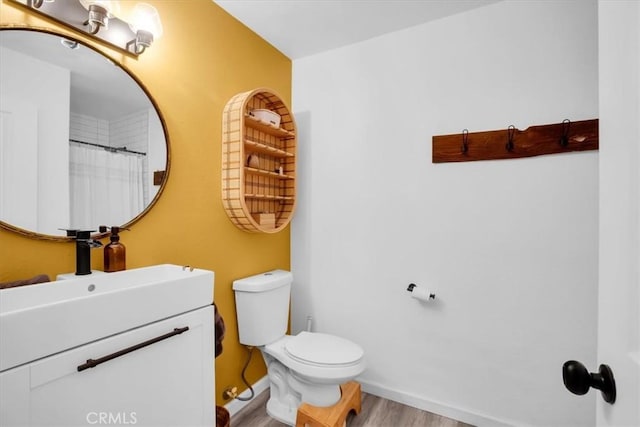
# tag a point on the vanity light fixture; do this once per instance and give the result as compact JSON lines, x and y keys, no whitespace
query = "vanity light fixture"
{"x":101,"y":20}
{"x":145,"y":23}
{"x":71,"y":44}
{"x":100,"y":11}
{"x":38,"y":3}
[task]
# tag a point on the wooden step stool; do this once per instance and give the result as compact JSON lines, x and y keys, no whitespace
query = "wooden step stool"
{"x":332,"y":416}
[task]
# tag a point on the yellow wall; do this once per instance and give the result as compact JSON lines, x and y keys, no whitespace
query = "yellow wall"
{"x":204,"y":58}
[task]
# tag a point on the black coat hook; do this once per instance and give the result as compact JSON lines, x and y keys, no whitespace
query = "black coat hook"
{"x":564,"y":139}
{"x":511,"y":130}
{"x":465,"y":138}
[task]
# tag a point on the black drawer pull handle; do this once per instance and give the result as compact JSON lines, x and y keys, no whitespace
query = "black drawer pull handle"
{"x":92,"y":363}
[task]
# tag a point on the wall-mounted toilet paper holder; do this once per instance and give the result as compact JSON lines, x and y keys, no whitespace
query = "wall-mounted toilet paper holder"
{"x":413,"y":285}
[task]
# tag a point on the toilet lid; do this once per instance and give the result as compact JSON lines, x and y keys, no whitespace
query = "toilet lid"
{"x":323,"y":349}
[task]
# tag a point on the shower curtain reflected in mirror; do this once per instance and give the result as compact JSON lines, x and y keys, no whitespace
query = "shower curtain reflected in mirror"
{"x":106,"y":187}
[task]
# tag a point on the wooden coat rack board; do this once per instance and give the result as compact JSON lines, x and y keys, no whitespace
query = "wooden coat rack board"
{"x":512,"y":143}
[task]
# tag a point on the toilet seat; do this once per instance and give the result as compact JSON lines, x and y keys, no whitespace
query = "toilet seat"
{"x":345,"y":359}
{"x":319,"y":349}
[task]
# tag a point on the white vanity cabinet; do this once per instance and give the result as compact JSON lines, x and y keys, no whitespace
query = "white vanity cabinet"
{"x":153,"y":373}
{"x":160,"y":384}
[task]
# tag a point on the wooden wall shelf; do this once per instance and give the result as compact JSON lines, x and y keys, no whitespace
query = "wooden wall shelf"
{"x":258,"y":197}
{"x":512,"y":143}
{"x":259,"y":148}
{"x":267,"y":127}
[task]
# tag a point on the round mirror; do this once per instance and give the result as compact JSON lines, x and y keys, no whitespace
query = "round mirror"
{"x":82,"y":144}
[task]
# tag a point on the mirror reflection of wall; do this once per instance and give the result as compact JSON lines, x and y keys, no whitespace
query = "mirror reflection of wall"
{"x":34,"y":113}
{"x":66,"y":117}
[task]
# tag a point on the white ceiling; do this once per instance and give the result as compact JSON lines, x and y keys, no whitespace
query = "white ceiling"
{"x":300,"y":28}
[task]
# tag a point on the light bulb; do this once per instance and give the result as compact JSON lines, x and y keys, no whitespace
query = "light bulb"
{"x":145,"y":17}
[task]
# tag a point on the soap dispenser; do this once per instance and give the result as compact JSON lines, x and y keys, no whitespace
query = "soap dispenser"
{"x":115,"y":253}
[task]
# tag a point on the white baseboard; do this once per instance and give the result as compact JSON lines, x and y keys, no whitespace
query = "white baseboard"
{"x":480,"y":420}
{"x":258,"y":387}
{"x":434,"y":407}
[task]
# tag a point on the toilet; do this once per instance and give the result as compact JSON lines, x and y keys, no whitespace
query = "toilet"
{"x":304,"y":368}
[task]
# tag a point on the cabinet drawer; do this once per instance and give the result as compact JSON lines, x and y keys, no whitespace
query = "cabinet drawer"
{"x":166,"y":383}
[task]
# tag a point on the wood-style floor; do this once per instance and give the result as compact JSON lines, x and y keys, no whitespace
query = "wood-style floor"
{"x":376,"y":412}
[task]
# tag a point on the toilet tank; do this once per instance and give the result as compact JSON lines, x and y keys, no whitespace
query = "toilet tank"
{"x":262,"y":306}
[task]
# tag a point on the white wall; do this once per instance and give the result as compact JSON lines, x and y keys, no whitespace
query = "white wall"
{"x":509,"y":247}
{"x":43,"y":189}
{"x":157,"y":154}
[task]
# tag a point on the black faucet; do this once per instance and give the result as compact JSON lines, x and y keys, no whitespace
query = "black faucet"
{"x":84,"y":244}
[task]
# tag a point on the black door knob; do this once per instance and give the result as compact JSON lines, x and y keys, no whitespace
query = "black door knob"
{"x":578,"y":380}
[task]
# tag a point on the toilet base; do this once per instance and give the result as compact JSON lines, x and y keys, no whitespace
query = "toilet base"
{"x":332,"y":416}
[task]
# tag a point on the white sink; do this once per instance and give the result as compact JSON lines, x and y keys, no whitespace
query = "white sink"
{"x":39,"y":320}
